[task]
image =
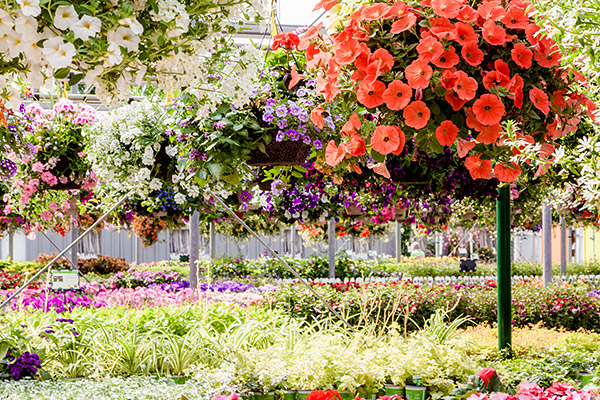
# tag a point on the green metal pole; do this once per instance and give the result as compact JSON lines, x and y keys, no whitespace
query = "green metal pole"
{"x":504,"y":261}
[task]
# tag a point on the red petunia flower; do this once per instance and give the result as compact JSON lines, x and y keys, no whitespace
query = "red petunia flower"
{"x":465,"y":33}
{"x":478,"y":168}
{"x":418,"y":74}
{"x":334,"y":154}
{"x":488,"y":109}
{"x":416,"y":115}
{"x":352,"y":126}
{"x":516,"y":90}
{"x":531,"y":31}
{"x":448,"y":79}
{"x":547,"y":56}
{"x":456,"y":102}
{"x":316,"y":117}
{"x":287,"y":40}
{"x":516,"y":18}
{"x":464,"y":147}
{"x":326,"y":4}
{"x":489,"y":134}
{"x":472,"y":54}
{"x":465,"y":86}
{"x":446,"y":8}
{"x":540,"y":100}
{"x":491,"y":11}
{"x":495,"y":34}
{"x":495,"y":78}
{"x":308,"y":36}
{"x":380,"y":169}
{"x":467,"y":14}
{"x":406,"y":22}
{"x":507,"y":173}
{"x":447,"y":59}
{"x":387,"y":139}
{"x":356,"y":146}
{"x":429,"y":48}
{"x":487,"y":374}
{"x":346,"y":51}
{"x":442,"y":28}
{"x":370,"y":94}
{"x":446,"y":133}
{"x":521,"y":55}
{"x":385,"y":59}
{"x":376,"y":12}
{"x":397,"y":95}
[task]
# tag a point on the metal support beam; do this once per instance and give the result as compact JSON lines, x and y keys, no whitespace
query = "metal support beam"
{"x":563,"y":246}
{"x":194,"y":248}
{"x":504,"y":273}
{"x":66,"y":250}
{"x":398,"y":241}
{"x":212,"y":240}
{"x":331,"y":247}
{"x":547,"y":243}
{"x":293,"y":241}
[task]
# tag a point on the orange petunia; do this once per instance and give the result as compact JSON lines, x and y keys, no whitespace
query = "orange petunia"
{"x":446,"y":133}
{"x":521,"y":55}
{"x":516,"y":18}
{"x":385,"y":59}
{"x":308,"y":36}
{"x":370,"y":94}
{"x":456,"y":102}
{"x":472,"y":54}
{"x":489,"y":134}
{"x":465,"y":86}
{"x":547,"y":56}
{"x":465,"y":33}
{"x":334,"y":154}
{"x":356,"y":146}
{"x":516,"y":90}
{"x":442,"y":28}
{"x":446,"y":8}
{"x":447,"y":59}
{"x":406,"y":22}
{"x":295,"y":78}
{"x":397,"y":95}
{"x":429,"y":49}
{"x":326,"y":4}
{"x":495,"y":34}
{"x":491,"y":11}
{"x":540,"y":100}
{"x":418,"y":74}
{"x":380,"y":169}
{"x":346,"y":51}
{"x":448,"y":79}
{"x":507,"y":173}
{"x":416,"y":115}
{"x":376,"y":12}
{"x":316,"y":117}
{"x":464,"y":147}
{"x":478,"y":168}
{"x":352,"y":126}
{"x":467,"y":14}
{"x":386,"y":139}
{"x":488,"y":109}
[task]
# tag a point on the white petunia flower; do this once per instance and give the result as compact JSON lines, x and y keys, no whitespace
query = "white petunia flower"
{"x":6,"y":22}
{"x":30,"y":7}
{"x":65,"y":17}
{"x":26,"y":26}
{"x":113,"y":56}
{"x":124,"y":37}
{"x":58,"y":53}
{"x":179,"y":198}
{"x":87,"y":26}
{"x":13,"y":99}
{"x":133,"y":24}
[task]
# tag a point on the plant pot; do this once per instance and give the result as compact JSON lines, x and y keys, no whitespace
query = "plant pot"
{"x":415,"y":392}
{"x":401,"y":213}
{"x":288,"y":395}
{"x":302,"y":394}
{"x":284,"y":153}
{"x":586,"y":378}
{"x":393,"y":390}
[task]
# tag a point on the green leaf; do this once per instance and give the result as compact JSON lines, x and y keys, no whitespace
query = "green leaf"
{"x":237,"y":127}
{"x":440,"y":91}
{"x":215,"y":169}
{"x":75,"y":79}
{"x":160,"y":41}
{"x":62,"y":73}
{"x":261,"y":146}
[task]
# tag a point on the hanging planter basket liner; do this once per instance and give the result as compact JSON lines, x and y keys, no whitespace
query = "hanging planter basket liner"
{"x":162,"y":163}
{"x":285,"y":153}
{"x":354,"y":211}
{"x":401,"y":213}
{"x":468,"y":216}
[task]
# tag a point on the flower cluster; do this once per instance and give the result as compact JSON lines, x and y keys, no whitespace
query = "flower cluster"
{"x":442,"y":73}
{"x":24,"y":365}
{"x":114,"y":45}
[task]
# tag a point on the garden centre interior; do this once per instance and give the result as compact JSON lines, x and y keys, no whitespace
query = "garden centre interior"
{"x":299,"y":200}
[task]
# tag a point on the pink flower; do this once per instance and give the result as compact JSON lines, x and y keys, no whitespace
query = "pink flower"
{"x":34,"y":109}
{"x":65,"y":206}
{"x":49,"y":178}
{"x":65,"y":106}
{"x":24,"y":199}
{"x":37,"y":167}
{"x":487,"y":374}
{"x":46,"y":215}
{"x":53,"y":207}
{"x":8,"y":209}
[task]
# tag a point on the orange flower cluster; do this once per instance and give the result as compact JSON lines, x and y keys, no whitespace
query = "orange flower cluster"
{"x":148,"y":228}
{"x":441,"y":72}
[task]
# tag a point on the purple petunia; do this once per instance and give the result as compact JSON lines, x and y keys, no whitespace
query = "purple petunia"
{"x":282,"y":123}
{"x":317,"y":144}
{"x":281,"y":111}
{"x":245,"y":196}
{"x":306,"y":139}
{"x":268,"y":117}
{"x":280,"y":136}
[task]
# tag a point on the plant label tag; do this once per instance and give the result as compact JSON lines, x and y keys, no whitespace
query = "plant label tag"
{"x":65,"y":280}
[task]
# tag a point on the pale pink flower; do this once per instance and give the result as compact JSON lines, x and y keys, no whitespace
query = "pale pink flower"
{"x":46,"y":215}
{"x":65,"y":206}
{"x":49,"y":178}
{"x":8,"y":209}
{"x":53,"y":207}
{"x":65,"y":106}
{"x":37,"y":167}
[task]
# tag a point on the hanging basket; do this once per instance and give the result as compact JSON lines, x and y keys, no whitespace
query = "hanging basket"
{"x":63,"y":168}
{"x":354,"y":211}
{"x":285,"y":153}
{"x":162,"y":162}
{"x":468,"y":216}
{"x":401,"y":213}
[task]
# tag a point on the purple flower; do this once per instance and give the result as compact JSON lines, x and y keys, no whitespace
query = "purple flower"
{"x":24,"y":365}
{"x":268,"y":117}
{"x":317,"y":144}
{"x":245,"y":196}
{"x":280,"y":136}
{"x":269,"y":110}
{"x":9,"y":165}
{"x":271,"y":102}
{"x":12,"y":128}
{"x":306,"y":139}
{"x":301,"y":92}
{"x":294,"y":109}
{"x":303,"y":116}
{"x":277,"y":187}
{"x":220,"y":124}
{"x":295,"y":135}
{"x":281,"y":111}
{"x":282,"y":123}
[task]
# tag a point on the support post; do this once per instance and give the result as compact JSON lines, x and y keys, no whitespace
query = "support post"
{"x":398,"y":241}
{"x":563,"y":246}
{"x":73,"y":212}
{"x":547,"y":240}
{"x":194,"y":248}
{"x":212,"y":241}
{"x":331,"y":247}
{"x":74,"y":236}
{"x":11,"y":246}
{"x":504,"y":266}
{"x":293,"y":241}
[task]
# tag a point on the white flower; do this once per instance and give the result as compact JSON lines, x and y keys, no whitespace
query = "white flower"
{"x":148,"y":157}
{"x":6,"y":22}
{"x":179,"y":198}
{"x":124,"y":37}
{"x":26,"y":26}
{"x":65,"y":17}
{"x":133,"y":24}
{"x":30,"y":7}
{"x":15,"y":44}
{"x":171,"y":150}
{"x":87,"y":26}
{"x":58,"y":53}
{"x":114,"y":56}
{"x":144,"y":174}
{"x":155,"y":184}
{"x":13,"y":98}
